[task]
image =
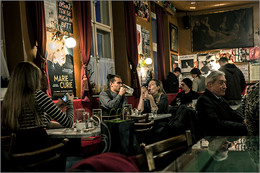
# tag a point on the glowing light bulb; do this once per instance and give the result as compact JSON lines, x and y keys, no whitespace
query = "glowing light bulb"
{"x":70,"y":42}
{"x":148,"y":61}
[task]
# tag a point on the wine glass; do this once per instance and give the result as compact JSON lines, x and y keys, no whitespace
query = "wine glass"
{"x":178,"y":101}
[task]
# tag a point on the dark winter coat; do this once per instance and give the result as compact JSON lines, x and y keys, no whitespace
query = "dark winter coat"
{"x":217,"y":118}
{"x":235,"y":82}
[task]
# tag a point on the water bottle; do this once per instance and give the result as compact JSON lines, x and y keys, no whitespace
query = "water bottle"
{"x":129,"y":90}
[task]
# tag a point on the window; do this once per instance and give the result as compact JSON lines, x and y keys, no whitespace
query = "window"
{"x":102,"y":48}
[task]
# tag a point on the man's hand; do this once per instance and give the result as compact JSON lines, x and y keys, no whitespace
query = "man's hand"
{"x":122,"y":91}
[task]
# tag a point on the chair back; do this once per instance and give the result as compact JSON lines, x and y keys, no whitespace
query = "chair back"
{"x":7,"y":142}
{"x":47,"y":159}
{"x":159,"y":155}
{"x":31,"y":150}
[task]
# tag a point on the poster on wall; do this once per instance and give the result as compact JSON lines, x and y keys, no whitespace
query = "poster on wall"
{"x":244,"y":67}
{"x":222,"y":30}
{"x":146,"y":42}
{"x":207,"y":63}
{"x":139,"y":39}
{"x":51,"y":16}
{"x":60,"y":67}
{"x":187,"y":62}
{"x":65,"y":16}
{"x":254,"y":71}
{"x":254,"y":53}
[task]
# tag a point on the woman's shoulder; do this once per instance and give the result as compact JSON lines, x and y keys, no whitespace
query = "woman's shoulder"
{"x":40,"y":94}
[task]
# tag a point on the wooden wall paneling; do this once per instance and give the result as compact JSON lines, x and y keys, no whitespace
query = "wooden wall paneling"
{"x":76,"y":55}
{"x":13,"y":33}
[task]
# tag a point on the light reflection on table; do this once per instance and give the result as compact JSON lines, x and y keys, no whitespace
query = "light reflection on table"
{"x":71,"y":133}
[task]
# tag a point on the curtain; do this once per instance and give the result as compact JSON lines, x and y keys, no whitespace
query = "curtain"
{"x":83,"y":16}
{"x":160,"y":45}
{"x":131,"y":44}
{"x":37,"y":16}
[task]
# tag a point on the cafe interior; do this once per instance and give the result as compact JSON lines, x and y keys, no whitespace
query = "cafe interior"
{"x":76,"y":45}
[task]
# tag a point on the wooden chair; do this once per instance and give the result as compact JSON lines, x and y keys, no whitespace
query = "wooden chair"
{"x":46,"y":159}
{"x":7,"y":142}
{"x":159,"y":155}
{"x":141,"y":131}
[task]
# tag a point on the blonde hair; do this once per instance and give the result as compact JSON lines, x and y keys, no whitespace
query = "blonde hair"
{"x":25,"y":80}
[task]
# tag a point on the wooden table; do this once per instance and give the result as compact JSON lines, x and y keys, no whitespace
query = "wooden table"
{"x":242,"y":157}
{"x":71,"y":133}
{"x":80,"y":144}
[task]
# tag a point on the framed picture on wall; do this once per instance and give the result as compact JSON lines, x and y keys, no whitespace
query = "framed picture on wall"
{"x":173,"y":38}
{"x":187,"y":62}
{"x":222,"y":30}
{"x":174,"y":61}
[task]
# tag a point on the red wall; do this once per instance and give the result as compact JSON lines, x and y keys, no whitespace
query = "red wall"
{"x":77,"y":103}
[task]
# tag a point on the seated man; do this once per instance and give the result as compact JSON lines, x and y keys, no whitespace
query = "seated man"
{"x":114,"y":97}
{"x":215,"y":115}
{"x":187,"y":94}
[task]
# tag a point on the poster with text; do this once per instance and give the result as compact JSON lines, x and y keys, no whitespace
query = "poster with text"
{"x":65,"y":16}
{"x":146,"y":42}
{"x":60,"y":67}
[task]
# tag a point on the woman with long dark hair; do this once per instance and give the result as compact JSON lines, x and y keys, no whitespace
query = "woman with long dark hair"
{"x":25,"y":106}
{"x":153,"y":99}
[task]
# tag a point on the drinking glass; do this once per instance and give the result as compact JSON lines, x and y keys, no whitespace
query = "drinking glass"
{"x":178,"y":101}
{"x":80,"y":120}
{"x":154,"y":113}
{"x":194,"y":102}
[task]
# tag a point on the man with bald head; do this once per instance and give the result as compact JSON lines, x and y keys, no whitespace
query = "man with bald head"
{"x":214,"y":113}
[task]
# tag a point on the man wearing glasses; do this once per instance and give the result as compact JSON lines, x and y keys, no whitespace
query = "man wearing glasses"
{"x":214,"y":113}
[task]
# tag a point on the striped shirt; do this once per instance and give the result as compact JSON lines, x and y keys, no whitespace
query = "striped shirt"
{"x":47,"y":111}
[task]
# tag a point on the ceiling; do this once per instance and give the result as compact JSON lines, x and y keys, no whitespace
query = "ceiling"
{"x":206,"y":5}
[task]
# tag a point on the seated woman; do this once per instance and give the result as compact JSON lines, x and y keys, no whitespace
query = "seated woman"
{"x":198,"y":83}
{"x":153,"y":99}
{"x":26,"y":110}
{"x":187,"y":94}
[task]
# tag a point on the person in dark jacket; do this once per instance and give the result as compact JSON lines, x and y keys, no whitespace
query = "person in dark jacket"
{"x":172,"y":82}
{"x":187,"y":94}
{"x":114,"y":96}
{"x":235,"y":81}
{"x":214,"y":113}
